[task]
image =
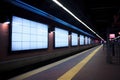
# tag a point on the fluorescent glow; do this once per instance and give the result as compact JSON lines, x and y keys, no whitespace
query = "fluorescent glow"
{"x":58,"y":3}
{"x":4,"y":27}
{"x":111,"y":36}
{"x":74,"y":39}
{"x":6,"y":22}
{"x":27,"y":34}
{"x":86,"y":40}
{"x":81,"y":40}
{"x":89,"y":40}
{"x":61,"y":37}
{"x":119,"y":33}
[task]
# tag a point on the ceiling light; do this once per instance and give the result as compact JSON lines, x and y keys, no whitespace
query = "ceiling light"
{"x":58,"y":3}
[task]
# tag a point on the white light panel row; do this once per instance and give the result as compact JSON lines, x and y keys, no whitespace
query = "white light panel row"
{"x":74,"y":39}
{"x":27,"y":35}
{"x":81,"y":40}
{"x":61,"y":37}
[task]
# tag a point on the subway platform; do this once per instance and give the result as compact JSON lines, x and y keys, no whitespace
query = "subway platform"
{"x":87,"y":65}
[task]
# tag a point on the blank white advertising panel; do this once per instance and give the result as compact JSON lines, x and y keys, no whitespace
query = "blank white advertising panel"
{"x":86,"y":40}
{"x":61,"y":37}
{"x":89,"y":40}
{"x":74,"y":39}
{"x":27,"y":34}
{"x":81,"y":40}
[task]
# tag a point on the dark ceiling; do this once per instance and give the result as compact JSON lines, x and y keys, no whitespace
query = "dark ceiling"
{"x":97,"y":14}
{"x":101,"y":13}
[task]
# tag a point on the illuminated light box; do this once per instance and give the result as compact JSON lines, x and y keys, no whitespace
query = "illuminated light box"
{"x":86,"y":40}
{"x":27,"y":34}
{"x":74,"y":39}
{"x":89,"y":40}
{"x":119,"y":33}
{"x":61,"y":37}
{"x":111,"y":36}
{"x":81,"y":40}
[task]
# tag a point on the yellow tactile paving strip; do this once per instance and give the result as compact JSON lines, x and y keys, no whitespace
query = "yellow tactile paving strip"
{"x":33,"y":72}
{"x":72,"y":72}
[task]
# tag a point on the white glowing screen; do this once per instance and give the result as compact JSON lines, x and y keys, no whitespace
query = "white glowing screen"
{"x":89,"y":40}
{"x":61,"y":37}
{"x":81,"y":40}
{"x":27,"y":34}
{"x":86,"y":40}
{"x":74,"y":39}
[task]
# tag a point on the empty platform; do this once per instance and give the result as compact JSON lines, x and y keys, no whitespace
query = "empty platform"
{"x":87,"y":65}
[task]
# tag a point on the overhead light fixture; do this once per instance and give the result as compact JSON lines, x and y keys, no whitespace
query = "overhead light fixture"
{"x":59,"y":4}
{"x":7,"y":22}
{"x":4,"y":20}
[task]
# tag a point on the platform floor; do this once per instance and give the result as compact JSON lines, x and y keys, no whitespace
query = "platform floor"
{"x":87,"y":65}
